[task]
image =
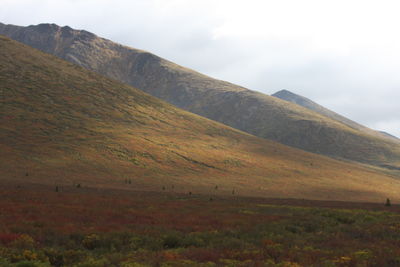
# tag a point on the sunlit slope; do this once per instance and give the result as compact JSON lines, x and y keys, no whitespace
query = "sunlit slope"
{"x":238,"y":107}
{"x":63,"y":125}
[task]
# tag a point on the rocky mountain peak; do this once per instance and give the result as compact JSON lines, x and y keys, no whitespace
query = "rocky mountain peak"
{"x":46,"y":27}
{"x":283,"y":92}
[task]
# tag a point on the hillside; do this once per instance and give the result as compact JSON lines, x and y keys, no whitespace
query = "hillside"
{"x":311,"y":105}
{"x":63,"y":125}
{"x":243,"y":109}
{"x":256,"y":113}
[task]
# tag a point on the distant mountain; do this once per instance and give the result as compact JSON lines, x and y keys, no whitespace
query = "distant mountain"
{"x":311,"y":105}
{"x":389,"y":135}
{"x":62,"y":125}
{"x":253,"y":112}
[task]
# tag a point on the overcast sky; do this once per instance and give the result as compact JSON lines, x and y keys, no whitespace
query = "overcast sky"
{"x":344,"y":55}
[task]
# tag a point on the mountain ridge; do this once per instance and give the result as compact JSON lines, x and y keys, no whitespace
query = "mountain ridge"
{"x":63,"y":125}
{"x":250,"y":111}
{"x":311,"y":105}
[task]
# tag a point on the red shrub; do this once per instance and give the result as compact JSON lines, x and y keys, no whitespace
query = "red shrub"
{"x":202,"y":254}
{"x":171,"y":256}
{"x":5,"y":238}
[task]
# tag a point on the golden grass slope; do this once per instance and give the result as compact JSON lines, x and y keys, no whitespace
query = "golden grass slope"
{"x":63,"y":125}
{"x":238,"y":107}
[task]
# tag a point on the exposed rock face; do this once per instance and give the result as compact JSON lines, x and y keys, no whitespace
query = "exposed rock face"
{"x":256,"y":113}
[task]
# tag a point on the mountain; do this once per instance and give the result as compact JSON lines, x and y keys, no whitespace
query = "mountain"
{"x":250,"y":111}
{"x":62,"y":125}
{"x":311,"y":105}
{"x":389,"y":135}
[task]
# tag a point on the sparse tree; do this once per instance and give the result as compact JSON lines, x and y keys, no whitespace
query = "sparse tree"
{"x":388,"y":204}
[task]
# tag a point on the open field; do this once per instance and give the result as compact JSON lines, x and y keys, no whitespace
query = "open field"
{"x":80,"y":226}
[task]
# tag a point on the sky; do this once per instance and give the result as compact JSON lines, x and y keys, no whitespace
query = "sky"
{"x":344,"y":55}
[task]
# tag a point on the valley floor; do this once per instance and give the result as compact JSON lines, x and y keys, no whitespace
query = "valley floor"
{"x":79,"y":226}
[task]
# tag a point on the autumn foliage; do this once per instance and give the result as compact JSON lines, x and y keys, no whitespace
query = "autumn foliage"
{"x":94,"y":227}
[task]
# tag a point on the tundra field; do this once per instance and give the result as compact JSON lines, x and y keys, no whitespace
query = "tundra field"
{"x":77,"y":225}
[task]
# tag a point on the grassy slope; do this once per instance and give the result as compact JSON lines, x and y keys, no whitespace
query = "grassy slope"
{"x":61,"y":124}
{"x":243,"y":109}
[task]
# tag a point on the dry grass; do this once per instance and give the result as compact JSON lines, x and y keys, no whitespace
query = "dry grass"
{"x":61,"y":124}
{"x":238,"y":107}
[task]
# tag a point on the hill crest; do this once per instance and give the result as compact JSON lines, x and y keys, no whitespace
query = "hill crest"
{"x":250,"y":111}
{"x":61,"y":124}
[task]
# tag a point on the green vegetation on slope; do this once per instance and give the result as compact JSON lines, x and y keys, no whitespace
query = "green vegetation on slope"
{"x":243,"y":109}
{"x":61,"y":124}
